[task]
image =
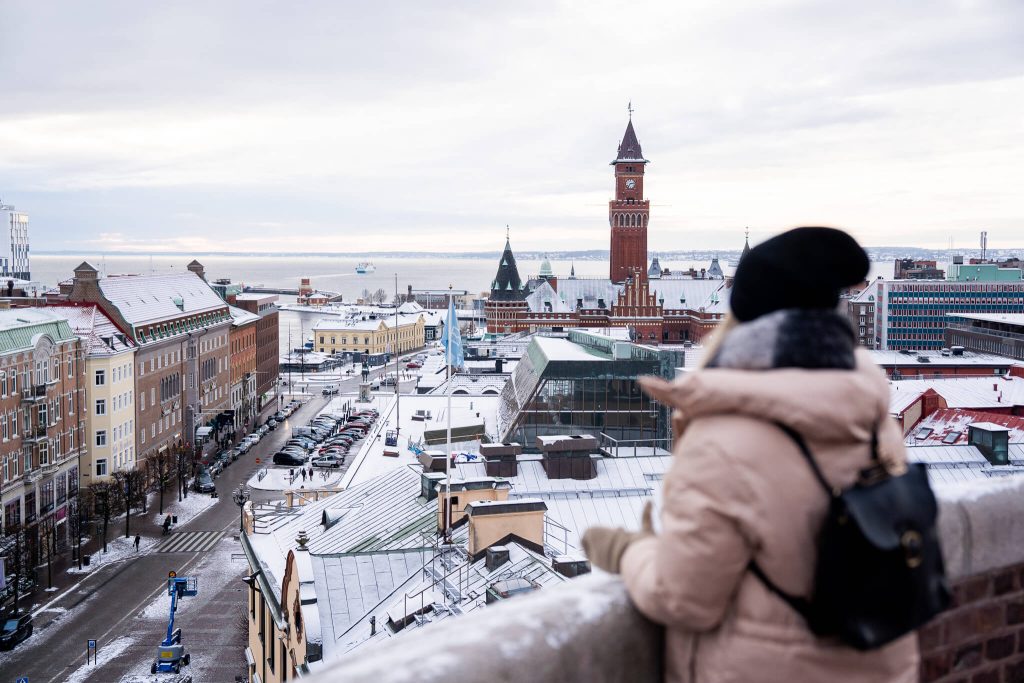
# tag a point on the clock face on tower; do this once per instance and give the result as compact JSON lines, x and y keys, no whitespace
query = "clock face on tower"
{"x":630,"y":184}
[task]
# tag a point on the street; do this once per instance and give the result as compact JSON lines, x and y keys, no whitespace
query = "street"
{"x":124,"y":606}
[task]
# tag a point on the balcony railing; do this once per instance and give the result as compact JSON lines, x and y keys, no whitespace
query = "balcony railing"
{"x":34,"y":393}
{"x":34,"y":433}
{"x":999,"y":334}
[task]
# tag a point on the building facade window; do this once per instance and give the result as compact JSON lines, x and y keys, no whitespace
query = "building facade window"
{"x":101,"y":467}
{"x":101,"y":406}
{"x":101,"y":377}
{"x":101,"y":437}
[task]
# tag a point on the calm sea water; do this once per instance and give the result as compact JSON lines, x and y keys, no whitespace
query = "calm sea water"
{"x":333,"y":273}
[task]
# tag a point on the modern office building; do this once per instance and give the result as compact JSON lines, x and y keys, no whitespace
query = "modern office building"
{"x":913,"y":314}
{"x":996,"y":333}
{"x":586,"y":384}
{"x":14,"y":253}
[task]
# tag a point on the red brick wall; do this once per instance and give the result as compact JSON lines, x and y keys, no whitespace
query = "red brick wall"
{"x":981,"y":638}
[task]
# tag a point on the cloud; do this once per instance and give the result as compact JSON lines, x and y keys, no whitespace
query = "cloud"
{"x":393,"y":123}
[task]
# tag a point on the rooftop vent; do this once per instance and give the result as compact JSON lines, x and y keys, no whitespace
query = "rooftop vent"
{"x":992,"y":440}
{"x":509,"y":588}
{"x":570,"y":566}
{"x":179,"y":302}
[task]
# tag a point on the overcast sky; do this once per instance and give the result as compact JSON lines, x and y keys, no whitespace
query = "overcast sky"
{"x":338,"y":126}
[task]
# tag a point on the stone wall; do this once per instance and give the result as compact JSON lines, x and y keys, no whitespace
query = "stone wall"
{"x":557,"y":633}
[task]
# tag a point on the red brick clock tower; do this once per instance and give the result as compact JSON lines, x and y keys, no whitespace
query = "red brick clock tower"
{"x":629,"y":211}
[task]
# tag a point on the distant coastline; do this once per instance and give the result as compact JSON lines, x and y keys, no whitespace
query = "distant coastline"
{"x":876,"y":254}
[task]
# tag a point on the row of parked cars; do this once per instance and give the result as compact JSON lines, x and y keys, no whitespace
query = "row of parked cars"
{"x":328,"y":440}
{"x":209,"y":470}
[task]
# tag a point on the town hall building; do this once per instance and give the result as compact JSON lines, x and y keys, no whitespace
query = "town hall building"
{"x":655,"y":305}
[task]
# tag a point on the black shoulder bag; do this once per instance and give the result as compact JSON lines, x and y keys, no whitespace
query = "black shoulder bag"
{"x":879,"y":573}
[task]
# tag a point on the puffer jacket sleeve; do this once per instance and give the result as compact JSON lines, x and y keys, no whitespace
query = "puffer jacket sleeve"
{"x":686,"y":576}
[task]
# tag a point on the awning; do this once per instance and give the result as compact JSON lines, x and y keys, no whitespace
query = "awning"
{"x":202,"y":432}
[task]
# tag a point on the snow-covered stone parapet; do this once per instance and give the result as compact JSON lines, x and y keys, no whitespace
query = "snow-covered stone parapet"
{"x":584,"y":630}
{"x":587,"y":630}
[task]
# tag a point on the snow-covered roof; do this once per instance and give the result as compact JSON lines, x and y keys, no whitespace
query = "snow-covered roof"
{"x":99,"y":335}
{"x":241,"y":317}
{"x":144,"y":299}
{"x":962,"y":392}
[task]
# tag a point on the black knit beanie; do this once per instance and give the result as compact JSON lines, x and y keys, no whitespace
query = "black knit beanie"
{"x":802,"y":268}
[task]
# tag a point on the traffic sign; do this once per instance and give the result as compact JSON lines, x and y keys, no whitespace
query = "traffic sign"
{"x":23,"y":679}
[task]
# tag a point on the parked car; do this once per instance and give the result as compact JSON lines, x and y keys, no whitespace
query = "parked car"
{"x":288,"y":459}
{"x":271,"y":424}
{"x":327,"y":461}
{"x":16,"y":628}
{"x":263,"y":430}
{"x":279,"y":416}
{"x":204,"y":483}
{"x":224,"y":458}
{"x":215,"y":468}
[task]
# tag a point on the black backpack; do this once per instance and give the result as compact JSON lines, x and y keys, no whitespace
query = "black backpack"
{"x":880,"y":573}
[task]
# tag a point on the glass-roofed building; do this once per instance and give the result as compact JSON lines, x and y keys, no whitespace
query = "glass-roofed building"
{"x":586,"y":384}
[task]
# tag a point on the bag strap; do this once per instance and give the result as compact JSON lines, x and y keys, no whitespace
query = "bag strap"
{"x":811,"y":462}
{"x":801,"y":605}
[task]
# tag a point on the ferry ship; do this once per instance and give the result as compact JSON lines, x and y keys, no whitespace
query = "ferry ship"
{"x":365,"y":267}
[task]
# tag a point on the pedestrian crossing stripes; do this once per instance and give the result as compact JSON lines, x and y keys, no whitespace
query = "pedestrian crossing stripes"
{"x":189,"y":542}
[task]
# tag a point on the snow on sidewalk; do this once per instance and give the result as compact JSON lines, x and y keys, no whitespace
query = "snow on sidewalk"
{"x":118,"y":549}
{"x":105,"y":652}
{"x":186,"y":510}
{"x":278,"y":479}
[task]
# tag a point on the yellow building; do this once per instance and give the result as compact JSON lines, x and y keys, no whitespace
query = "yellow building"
{"x":371,"y":333}
{"x":109,"y":391}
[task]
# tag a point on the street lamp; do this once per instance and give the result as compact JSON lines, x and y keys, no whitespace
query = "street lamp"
{"x":241,"y":497}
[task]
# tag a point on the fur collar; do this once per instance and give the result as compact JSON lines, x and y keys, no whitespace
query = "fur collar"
{"x":790,"y":338}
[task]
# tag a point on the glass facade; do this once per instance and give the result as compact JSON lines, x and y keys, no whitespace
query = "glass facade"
{"x":565,"y":387}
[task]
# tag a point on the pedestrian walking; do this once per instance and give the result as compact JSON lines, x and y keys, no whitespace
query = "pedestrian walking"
{"x":138,"y":539}
{"x":303,"y":474}
{"x":742,"y":508}
{"x":167,"y":525}
{"x":311,"y":472}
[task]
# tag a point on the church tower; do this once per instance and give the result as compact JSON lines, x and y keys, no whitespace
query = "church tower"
{"x":628,"y":211}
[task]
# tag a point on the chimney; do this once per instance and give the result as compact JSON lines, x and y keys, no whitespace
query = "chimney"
{"x":497,"y":555}
{"x":197,"y":268}
{"x":465,"y":492}
{"x":497,"y":522}
{"x":500,"y":458}
{"x":499,"y":364}
{"x":568,"y":457}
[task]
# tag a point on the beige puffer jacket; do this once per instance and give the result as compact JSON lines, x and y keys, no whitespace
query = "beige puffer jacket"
{"x":738,"y":489}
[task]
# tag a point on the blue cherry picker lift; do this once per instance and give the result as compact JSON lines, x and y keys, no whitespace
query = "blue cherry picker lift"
{"x":170,"y":654}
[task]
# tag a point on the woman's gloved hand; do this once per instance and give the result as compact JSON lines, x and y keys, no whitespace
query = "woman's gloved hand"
{"x":604,"y":546}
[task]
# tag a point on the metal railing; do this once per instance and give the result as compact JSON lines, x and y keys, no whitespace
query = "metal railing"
{"x":631,"y":447}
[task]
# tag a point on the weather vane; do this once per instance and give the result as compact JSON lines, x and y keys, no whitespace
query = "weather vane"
{"x":629,"y":108}
{"x":506,"y":231}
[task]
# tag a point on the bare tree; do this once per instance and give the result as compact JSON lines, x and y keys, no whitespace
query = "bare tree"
{"x":366,"y":296}
{"x":380,"y":296}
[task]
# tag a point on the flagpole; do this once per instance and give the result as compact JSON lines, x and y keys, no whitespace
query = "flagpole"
{"x":448,"y":390}
{"x":397,"y":392}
